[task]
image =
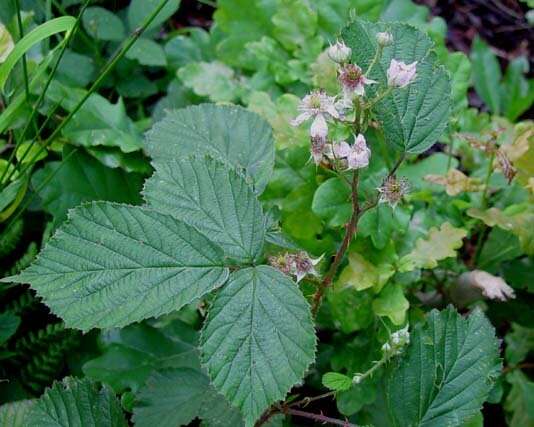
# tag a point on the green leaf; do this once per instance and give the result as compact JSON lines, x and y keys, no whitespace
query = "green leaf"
{"x":228,"y":133}
{"x":460,"y":68}
{"x":215,"y":199}
{"x":76,"y":69}
{"x":174,"y":398}
{"x":139,"y":10}
{"x":392,"y":303}
{"x":195,"y":47}
{"x":440,"y":244}
{"x":13,"y":414}
{"x":294,"y":23}
{"x":379,"y":224}
{"x":6,"y":43}
{"x":213,"y":80}
{"x":331,"y":202}
{"x":101,"y":24}
{"x":519,"y":342}
{"x":77,"y":403}
{"x":517,"y":91}
{"x":520,"y":402}
{"x":486,"y":74}
{"x":361,"y":274}
{"x":258,"y":340}
{"x":147,"y":52}
{"x":132,"y":353}
{"x":336,"y":381}
{"x":111,"y":265}
{"x":412,"y":118}
{"x":9,"y":324}
{"x":446,"y":373}
{"x":242,"y":21}
{"x":80,"y":178}
{"x":350,"y":308}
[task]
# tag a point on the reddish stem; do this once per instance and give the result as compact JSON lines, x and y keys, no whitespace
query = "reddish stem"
{"x":320,"y":418}
{"x":351,"y":229}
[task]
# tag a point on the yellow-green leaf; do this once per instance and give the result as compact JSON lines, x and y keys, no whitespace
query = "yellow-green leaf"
{"x":392,"y":303}
{"x":362,"y":274}
{"x":440,"y":244}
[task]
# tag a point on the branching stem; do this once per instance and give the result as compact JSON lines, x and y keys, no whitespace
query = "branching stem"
{"x":320,"y":418}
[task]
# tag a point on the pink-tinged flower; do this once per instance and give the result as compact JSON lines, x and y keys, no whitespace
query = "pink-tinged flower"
{"x":392,"y":190}
{"x":319,"y":106}
{"x":317,"y":149}
{"x":354,"y":156}
{"x":401,"y":74}
{"x":299,"y":264}
{"x":359,"y":154}
{"x":353,"y":81}
{"x":339,"y":52}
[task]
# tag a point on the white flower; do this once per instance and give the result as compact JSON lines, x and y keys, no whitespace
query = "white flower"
{"x":339,"y":52}
{"x":401,"y":74}
{"x":355,"y":156}
{"x":353,"y":81}
{"x":319,"y":106}
{"x":384,"y":39}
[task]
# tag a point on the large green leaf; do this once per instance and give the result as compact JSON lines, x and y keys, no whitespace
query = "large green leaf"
{"x":227,"y":133}
{"x":13,"y":414}
{"x":258,"y":340}
{"x":111,"y":265}
{"x":132,"y":353}
{"x":174,"y":398}
{"x":208,"y":195}
{"x":412,"y":118}
{"x":9,"y":324}
{"x":76,"y":403}
{"x":102,"y":24}
{"x":139,"y":10}
{"x":81,"y":178}
{"x":446,"y":373}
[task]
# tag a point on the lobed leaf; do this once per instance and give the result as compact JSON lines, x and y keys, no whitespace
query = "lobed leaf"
{"x":110,"y":265}
{"x":258,"y":339}
{"x":446,"y":373}
{"x":227,"y":133}
{"x":208,"y":195}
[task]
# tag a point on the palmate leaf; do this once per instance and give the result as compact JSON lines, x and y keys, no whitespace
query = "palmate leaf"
{"x":76,"y":403}
{"x":208,"y":195}
{"x":110,"y":265}
{"x":446,"y":373}
{"x":227,"y":133}
{"x":412,"y":118}
{"x":258,"y":340}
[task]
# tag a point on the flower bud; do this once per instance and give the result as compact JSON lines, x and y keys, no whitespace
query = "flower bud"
{"x":339,"y":52}
{"x":384,"y":39}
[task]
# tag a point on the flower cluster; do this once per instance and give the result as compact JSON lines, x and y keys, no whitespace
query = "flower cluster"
{"x":348,"y":109}
{"x":299,"y":264}
{"x":393,"y":190}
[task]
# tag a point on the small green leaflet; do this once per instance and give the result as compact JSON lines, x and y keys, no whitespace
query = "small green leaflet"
{"x":208,"y":195}
{"x":412,"y":118}
{"x":230,"y":134}
{"x":110,"y":265}
{"x":446,"y":373}
{"x":258,"y":340}
{"x":79,"y":403}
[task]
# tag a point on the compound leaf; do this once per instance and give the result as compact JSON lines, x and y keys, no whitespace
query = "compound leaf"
{"x":208,"y":195}
{"x":227,"y":133}
{"x":110,"y":265}
{"x":412,"y":118}
{"x":258,"y":340}
{"x":446,"y":373}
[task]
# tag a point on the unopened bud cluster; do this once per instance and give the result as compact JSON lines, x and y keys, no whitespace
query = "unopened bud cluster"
{"x":396,"y":343}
